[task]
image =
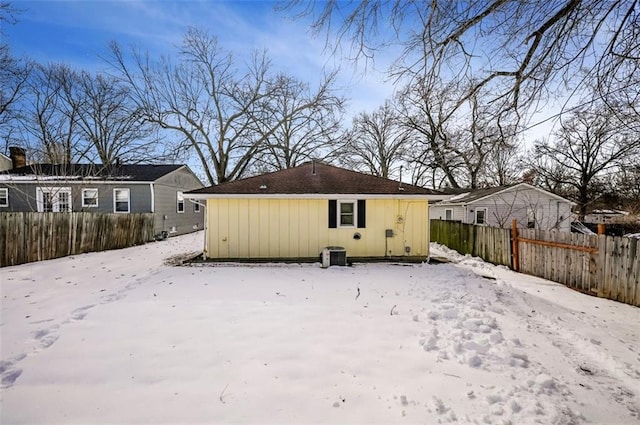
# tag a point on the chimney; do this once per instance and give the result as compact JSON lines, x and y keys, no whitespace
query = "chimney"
{"x":313,"y":166}
{"x":18,"y":157}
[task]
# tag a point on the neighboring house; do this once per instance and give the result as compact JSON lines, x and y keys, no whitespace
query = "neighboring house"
{"x":533,"y":208}
{"x":295,"y":213}
{"x":121,"y":189}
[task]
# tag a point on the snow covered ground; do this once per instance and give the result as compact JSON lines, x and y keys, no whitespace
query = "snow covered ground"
{"x":121,"y":337}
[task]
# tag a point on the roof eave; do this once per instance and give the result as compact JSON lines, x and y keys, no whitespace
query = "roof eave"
{"x":305,"y":196}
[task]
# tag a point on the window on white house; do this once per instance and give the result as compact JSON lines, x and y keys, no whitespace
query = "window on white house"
{"x":531,"y":218}
{"x":481,"y":216}
{"x":64,"y":201}
{"x":121,"y":201}
{"x":347,"y":213}
{"x":4,"y":197}
{"x":448,"y":214}
{"x":180,"y":197}
{"x":196,"y":208}
{"x":53,"y":199}
{"x":47,"y":202}
{"x":89,"y":198}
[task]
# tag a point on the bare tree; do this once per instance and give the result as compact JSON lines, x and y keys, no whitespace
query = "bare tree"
{"x":453,"y":135}
{"x":478,"y":139}
{"x":627,"y":185}
{"x":503,"y":165}
{"x":292,"y":132}
{"x":109,"y":121}
{"x":377,"y":142}
{"x":425,"y":108}
{"x":217,"y":108}
{"x":518,"y":50}
{"x":48,"y":118}
{"x":14,"y":72}
{"x":591,"y":144}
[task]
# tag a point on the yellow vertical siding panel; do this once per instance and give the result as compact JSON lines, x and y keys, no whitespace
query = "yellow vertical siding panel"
{"x":404,"y":222}
{"x":244,"y":213}
{"x":263,"y":227}
{"x":304,"y":233}
{"x":223,"y":228}
{"x":285,"y":248}
{"x":377,"y":229}
{"x":317,"y":226}
{"x":293,"y":227}
{"x":275,"y":232}
{"x":232,"y":228}
{"x":254,"y":228}
{"x":414,"y":218}
{"x":427,"y":229}
{"x":212,"y":228}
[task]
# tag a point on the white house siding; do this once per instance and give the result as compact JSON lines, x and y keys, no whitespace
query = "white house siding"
{"x":439,"y":212}
{"x":549,"y":211}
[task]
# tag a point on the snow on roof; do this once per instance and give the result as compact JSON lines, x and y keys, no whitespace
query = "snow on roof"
{"x":460,"y":196}
{"x":609,"y":212}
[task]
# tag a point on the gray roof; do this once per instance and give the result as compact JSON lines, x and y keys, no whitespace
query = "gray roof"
{"x":467,"y":196}
{"x":137,"y":172}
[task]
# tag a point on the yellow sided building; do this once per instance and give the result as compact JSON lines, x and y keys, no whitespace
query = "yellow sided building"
{"x":295,"y":214}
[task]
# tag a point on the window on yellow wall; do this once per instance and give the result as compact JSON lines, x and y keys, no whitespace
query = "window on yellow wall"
{"x":347,"y":214}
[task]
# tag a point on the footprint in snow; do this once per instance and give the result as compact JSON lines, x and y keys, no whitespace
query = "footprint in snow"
{"x":8,"y":372}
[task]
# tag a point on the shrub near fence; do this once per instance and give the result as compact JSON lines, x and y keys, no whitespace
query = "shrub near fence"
{"x":492,"y":244}
{"x":32,"y":236}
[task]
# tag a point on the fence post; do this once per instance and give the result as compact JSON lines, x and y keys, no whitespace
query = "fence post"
{"x":514,"y":244}
{"x":601,"y":228}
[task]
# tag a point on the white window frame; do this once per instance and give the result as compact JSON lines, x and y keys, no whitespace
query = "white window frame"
{"x":196,"y":207}
{"x":179,"y":202}
{"x":531,"y":218}
{"x":84,"y":198}
{"x":4,"y":197}
{"x":55,"y":198}
{"x":128,"y":200}
{"x":484,"y":221}
{"x":355,"y":213}
{"x":450,"y":211}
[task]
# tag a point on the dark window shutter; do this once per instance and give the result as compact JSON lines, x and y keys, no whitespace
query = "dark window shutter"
{"x":362,"y":213}
{"x":333,"y":213}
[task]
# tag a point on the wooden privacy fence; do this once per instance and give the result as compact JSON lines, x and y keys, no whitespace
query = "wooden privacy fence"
{"x":492,"y":244}
{"x":606,"y":266}
{"x":32,"y":236}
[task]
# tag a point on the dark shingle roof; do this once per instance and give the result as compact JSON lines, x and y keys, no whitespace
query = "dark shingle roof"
{"x":315,"y":178}
{"x":467,"y":196}
{"x":138,"y":172}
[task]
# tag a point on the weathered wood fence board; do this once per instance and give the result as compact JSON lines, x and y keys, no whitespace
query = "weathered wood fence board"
{"x":567,"y":258}
{"x":606,"y":266}
{"x":31,"y":236}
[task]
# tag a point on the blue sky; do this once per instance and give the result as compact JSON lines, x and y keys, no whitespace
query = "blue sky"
{"x":77,"y":33}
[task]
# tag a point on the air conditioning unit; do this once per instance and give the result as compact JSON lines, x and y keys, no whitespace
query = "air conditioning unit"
{"x":334,"y":256}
